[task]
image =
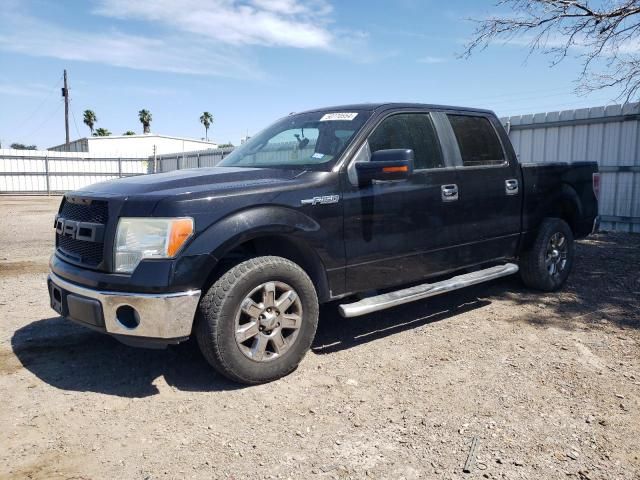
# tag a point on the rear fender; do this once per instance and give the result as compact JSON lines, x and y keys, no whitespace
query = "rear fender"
{"x":564,"y":204}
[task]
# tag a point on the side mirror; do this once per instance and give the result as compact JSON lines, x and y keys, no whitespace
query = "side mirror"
{"x":393,"y":164}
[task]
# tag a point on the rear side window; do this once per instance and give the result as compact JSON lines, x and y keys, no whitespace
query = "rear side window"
{"x":478,"y":141}
{"x":409,"y":130}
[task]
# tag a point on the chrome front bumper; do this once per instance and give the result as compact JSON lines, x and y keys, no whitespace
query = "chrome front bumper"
{"x":158,"y":316}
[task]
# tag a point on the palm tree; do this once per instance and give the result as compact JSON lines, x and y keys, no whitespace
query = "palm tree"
{"x":129,"y":132}
{"x":206,"y":119}
{"x":145,"y":118}
{"x":90,"y":119}
{"x":101,"y":132}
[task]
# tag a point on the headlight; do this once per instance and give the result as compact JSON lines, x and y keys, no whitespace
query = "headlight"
{"x":140,"y":238}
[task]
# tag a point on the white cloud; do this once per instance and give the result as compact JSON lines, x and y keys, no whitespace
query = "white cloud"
{"x":22,"y":90}
{"x":432,"y":60}
{"x":30,"y":36}
{"x":282,"y":23}
{"x":193,"y":37}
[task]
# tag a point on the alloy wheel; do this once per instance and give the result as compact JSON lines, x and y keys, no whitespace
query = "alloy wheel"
{"x":268,"y":321}
{"x":557,"y":253}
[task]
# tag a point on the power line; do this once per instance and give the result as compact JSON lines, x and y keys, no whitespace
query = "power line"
{"x":504,"y":96}
{"x":40,"y":105}
{"x":555,"y":107}
{"x":73,"y":115}
{"x":47,"y":118}
{"x":520,"y":98}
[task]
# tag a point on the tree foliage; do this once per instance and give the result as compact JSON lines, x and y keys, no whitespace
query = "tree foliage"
{"x":129,"y":132}
{"x":22,"y":146}
{"x":145,"y":118}
{"x":206,"y":119}
{"x":90,"y":119}
{"x":604,"y":34}
{"x":101,"y":132}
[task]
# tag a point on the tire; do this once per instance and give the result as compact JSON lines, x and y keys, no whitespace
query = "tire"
{"x":240,"y":304}
{"x":547,"y":264}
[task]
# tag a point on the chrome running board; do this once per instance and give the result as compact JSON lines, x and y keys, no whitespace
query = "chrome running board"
{"x":426,"y":290}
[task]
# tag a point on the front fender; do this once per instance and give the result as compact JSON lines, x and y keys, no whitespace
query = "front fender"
{"x":250,"y":223}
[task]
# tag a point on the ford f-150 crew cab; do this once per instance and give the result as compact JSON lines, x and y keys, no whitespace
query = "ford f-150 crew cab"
{"x":401,"y":201}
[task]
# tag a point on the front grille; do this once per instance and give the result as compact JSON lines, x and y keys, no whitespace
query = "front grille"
{"x":95,"y":212}
{"x":88,"y":253}
{"x":84,"y":252}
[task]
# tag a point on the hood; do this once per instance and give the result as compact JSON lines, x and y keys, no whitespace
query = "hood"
{"x":191,"y":181}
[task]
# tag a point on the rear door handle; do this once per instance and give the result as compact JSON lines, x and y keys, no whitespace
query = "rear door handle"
{"x":511,"y":186}
{"x":449,"y":192}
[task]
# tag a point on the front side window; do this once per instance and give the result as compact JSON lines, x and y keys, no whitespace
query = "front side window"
{"x":409,"y":130}
{"x":477,"y":139}
{"x":311,"y":140}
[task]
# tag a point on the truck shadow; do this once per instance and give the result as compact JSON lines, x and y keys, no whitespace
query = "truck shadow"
{"x":336,"y":333}
{"x":603,"y":288}
{"x":71,"y":357}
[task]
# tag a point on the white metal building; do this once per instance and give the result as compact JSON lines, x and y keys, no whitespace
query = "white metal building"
{"x":608,"y":135}
{"x":134,"y":145}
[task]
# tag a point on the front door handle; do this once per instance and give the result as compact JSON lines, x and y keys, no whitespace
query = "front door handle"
{"x":449,"y":192}
{"x":511,"y":186}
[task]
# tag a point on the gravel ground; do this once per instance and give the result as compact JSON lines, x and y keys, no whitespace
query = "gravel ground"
{"x":547,"y":384}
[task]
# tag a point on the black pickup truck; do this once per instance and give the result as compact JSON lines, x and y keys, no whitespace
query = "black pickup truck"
{"x":374,"y":205}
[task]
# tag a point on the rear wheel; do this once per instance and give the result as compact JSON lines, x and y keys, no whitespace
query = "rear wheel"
{"x":258,"y":320}
{"x":547,"y":264}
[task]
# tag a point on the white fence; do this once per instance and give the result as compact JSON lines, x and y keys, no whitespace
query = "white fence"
{"x":44,"y":171}
{"x":608,"y":135}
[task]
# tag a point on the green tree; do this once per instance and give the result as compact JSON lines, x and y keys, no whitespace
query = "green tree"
{"x":22,"y":146}
{"x":101,"y":132}
{"x":145,"y":118}
{"x":206,"y":119}
{"x":90,"y":119}
{"x":129,"y":132}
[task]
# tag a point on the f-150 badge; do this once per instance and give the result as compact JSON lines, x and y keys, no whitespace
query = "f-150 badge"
{"x":324,"y":200}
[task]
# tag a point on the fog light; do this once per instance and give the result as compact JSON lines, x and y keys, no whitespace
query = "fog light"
{"x":128,"y":317}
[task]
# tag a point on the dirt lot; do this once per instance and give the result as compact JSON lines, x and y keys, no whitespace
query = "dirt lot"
{"x":548,"y":384}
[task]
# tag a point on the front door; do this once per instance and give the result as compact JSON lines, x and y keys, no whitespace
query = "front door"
{"x":398,"y":232}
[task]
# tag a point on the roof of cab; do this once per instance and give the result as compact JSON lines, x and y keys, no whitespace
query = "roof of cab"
{"x":394,"y":105}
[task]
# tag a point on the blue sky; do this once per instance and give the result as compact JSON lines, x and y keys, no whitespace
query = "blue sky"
{"x":249,"y":62}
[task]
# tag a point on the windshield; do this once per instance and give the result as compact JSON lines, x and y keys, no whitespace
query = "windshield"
{"x":307,"y":140}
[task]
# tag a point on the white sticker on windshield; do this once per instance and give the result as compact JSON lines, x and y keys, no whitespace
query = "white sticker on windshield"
{"x":317,"y":155}
{"x":338,"y":116}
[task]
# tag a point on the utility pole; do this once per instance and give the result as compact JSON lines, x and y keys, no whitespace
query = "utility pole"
{"x":65,"y":94}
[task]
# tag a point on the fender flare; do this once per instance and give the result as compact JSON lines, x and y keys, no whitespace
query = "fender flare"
{"x":254,"y":222}
{"x":243,"y":225}
{"x":567,"y":196}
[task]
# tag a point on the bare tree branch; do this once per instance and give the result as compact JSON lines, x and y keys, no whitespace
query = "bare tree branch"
{"x":604,"y":34}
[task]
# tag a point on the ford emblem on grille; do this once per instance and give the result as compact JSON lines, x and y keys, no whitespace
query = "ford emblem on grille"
{"x":85,"y":231}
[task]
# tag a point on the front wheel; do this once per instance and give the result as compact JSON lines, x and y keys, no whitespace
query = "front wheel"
{"x":546,"y":265}
{"x":257,"y":321}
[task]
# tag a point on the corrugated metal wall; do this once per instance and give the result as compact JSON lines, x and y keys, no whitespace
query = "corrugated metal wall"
{"x":196,"y":159}
{"x":276,"y":153}
{"x":608,"y":135}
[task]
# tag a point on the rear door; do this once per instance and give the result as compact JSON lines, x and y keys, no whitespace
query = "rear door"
{"x":489,"y":190}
